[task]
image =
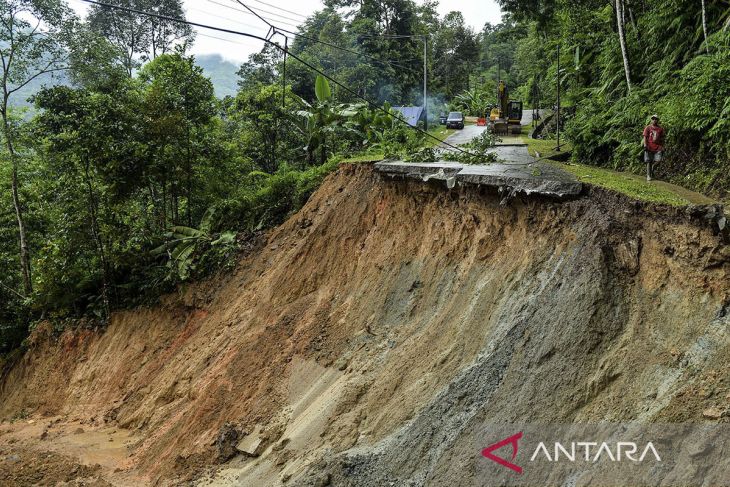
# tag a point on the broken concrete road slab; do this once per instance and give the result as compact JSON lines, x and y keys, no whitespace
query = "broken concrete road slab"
{"x":536,"y":178}
{"x":252,"y":444}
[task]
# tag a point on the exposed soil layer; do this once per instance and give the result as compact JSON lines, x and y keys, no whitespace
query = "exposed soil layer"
{"x":377,"y":329}
{"x":19,"y":466}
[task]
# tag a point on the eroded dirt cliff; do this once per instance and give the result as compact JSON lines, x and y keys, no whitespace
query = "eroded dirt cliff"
{"x":369,"y":337}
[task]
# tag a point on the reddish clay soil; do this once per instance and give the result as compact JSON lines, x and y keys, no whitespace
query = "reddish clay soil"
{"x":365,"y":337}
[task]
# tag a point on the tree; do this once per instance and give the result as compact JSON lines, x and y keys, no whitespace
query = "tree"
{"x":541,"y":11}
{"x":456,"y":54}
{"x":32,"y":36}
{"x":704,"y":25}
{"x":499,"y":47}
{"x":178,"y":105}
{"x":319,"y":122}
{"x":260,"y":69}
{"x":388,"y":33}
{"x":621,"y":22}
{"x":127,"y":30}
{"x":138,"y":36}
{"x":165,"y":34}
{"x":77,"y":143}
{"x":474,"y":102}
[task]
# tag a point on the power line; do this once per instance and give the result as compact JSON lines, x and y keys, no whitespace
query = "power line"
{"x":370,"y":103}
{"x":173,"y":19}
{"x":224,"y":18}
{"x":394,"y":36}
{"x":253,"y":12}
{"x":226,"y":40}
{"x":274,"y":14}
{"x":351,"y":51}
{"x":244,"y":12}
{"x":282,"y":9}
{"x":275,"y":29}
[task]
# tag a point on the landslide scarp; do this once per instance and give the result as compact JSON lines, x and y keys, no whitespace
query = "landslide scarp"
{"x":383,"y":324}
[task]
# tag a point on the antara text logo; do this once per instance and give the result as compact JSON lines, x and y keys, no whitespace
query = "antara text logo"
{"x":573,"y":451}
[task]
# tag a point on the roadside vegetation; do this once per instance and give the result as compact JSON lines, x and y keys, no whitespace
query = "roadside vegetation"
{"x":620,"y":62}
{"x":634,"y":186}
{"x":127,"y":175}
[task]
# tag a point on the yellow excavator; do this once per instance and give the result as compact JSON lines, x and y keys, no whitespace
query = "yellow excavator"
{"x":506,"y":117}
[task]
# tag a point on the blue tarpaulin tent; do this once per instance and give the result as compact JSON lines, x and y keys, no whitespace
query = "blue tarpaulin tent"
{"x":412,"y":114}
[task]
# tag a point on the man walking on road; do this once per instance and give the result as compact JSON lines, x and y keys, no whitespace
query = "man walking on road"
{"x":653,"y":142}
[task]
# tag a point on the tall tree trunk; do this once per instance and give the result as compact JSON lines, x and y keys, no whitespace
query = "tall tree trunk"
{"x":323,"y":154}
{"x":164,"y":204}
{"x":622,"y":40}
{"x":190,"y":180}
{"x":174,"y":197}
{"x":24,"y":251}
{"x":634,"y":23}
{"x":96,"y":234}
{"x":704,"y":25}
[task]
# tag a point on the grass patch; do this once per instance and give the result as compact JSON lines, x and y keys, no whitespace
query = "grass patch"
{"x":545,"y":147}
{"x":440,"y":132}
{"x":365,"y":157}
{"x":633,"y":185}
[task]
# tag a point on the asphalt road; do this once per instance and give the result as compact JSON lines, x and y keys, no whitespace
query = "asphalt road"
{"x":465,"y":135}
{"x":514,"y":152}
{"x":471,"y":131}
{"x":516,"y":169}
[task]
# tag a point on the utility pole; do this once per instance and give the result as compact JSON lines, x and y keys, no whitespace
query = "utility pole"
{"x":558,"y":83}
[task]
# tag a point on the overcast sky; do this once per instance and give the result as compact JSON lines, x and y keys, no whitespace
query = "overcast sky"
{"x":286,"y":14}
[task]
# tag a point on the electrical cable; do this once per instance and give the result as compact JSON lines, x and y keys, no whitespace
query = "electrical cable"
{"x":282,"y":9}
{"x":223,"y":18}
{"x":273,"y":13}
{"x":370,"y":103}
{"x":276,"y":28}
{"x":230,"y":7}
{"x":351,"y":51}
{"x":226,"y":40}
{"x":252,"y":12}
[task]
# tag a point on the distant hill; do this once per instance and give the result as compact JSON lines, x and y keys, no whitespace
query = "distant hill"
{"x":20,"y":98}
{"x":221,"y":72}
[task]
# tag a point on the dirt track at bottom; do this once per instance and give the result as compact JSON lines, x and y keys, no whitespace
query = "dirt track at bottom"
{"x":371,"y":333}
{"x":21,"y":466}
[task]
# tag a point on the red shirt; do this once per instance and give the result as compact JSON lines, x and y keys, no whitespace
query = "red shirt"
{"x":654,"y":137}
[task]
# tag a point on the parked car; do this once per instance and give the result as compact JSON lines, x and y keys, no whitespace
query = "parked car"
{"x":442,"y":119}
{"x":455,"y":121}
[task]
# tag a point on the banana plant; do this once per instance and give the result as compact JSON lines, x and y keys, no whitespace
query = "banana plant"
{"x":474,"y":102}
{"x":182,"y":243}
{"x":371,"y":124}
{"x":316,"y":120}
{"x":321,"y":121}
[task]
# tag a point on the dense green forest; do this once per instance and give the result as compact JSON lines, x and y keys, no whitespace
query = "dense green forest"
{"x":131,"y":176}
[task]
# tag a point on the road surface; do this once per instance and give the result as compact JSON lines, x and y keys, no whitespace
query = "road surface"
{"x":516,"y":172}
{"x":466,"y":135}
{"x":511,"y":150}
